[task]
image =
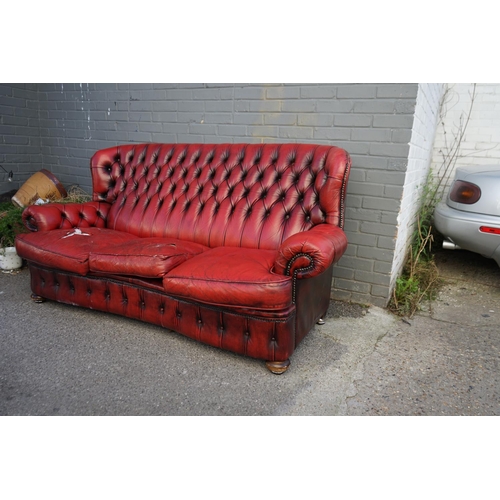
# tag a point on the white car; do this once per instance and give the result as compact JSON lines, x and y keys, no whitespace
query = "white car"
{"x":470,"y":218}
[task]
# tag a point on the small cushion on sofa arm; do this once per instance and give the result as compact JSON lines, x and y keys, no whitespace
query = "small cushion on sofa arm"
{"x":143,"y":257}
{"x":231,"y":276}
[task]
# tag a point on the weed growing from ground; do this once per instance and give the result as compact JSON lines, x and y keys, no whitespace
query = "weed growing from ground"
{"x":419,"y":280}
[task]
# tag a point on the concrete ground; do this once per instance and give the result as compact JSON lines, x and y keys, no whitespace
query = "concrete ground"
{"x":62,"y":360}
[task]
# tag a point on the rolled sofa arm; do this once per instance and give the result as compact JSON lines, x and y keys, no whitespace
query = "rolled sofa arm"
{"x":66,"y":215}
{"x":309,"y":253}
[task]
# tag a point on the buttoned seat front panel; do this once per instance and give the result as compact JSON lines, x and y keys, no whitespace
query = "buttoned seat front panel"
{"x":67,"y":250}
{"x":143,"y":257}
{"x":264,"y":338}
{"x":230,"y":276}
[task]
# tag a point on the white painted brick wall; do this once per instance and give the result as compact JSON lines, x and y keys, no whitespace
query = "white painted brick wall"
{"x":481,"y":141}
{"x":419,"y":161}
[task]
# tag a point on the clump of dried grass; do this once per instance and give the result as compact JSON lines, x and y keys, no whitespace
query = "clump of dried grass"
{"x":75,"y":195}
{"x":416,"y":284}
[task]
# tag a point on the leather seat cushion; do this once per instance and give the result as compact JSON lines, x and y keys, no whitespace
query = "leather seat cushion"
{"x":67,"y":250}
{"x":143,"y":257}
{"x":231,"y":276}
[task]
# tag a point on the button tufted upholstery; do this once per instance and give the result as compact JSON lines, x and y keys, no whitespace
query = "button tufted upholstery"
{"x":226,"y":243}
{"x":66,"y":216}
{"x":242,"y":195}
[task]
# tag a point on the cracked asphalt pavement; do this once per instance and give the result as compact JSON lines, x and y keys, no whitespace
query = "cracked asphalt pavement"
{"x":61,"y":360}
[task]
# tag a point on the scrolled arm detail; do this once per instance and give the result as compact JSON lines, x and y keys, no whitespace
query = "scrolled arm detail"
{"x":307,"y":254}
{"x":66,"y":215}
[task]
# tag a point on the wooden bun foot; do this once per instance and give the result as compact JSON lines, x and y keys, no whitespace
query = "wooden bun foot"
{"x":36,"y":298}
{"x":278,"y":367}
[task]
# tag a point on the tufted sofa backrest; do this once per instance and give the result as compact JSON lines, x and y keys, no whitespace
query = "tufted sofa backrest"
{"x":248,"y":195}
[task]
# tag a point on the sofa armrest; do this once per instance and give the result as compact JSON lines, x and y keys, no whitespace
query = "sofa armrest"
{"x":66,"y":215}
{"x":309,"y":253}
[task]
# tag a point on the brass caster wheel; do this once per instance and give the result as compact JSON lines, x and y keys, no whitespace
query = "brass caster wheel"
{"x":320,"y":321}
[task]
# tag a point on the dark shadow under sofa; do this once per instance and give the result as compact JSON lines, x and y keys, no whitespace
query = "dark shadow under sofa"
{"x":230,"y":244}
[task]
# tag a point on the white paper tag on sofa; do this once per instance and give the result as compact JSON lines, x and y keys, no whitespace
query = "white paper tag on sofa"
{"x":76,"y":232}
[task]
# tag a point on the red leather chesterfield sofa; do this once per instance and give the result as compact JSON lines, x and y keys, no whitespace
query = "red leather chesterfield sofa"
{"x":229,"y":244}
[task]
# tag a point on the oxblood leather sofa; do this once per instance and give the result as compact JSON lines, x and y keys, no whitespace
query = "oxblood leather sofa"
{"x":229,"y":244}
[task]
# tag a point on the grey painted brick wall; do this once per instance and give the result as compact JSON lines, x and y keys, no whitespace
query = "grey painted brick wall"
{"x":19,"y":134}
{"x":373,"y":122}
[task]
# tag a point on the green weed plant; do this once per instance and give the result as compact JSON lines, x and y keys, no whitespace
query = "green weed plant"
{"x":11,"y":224}
{"x":419,"y":280}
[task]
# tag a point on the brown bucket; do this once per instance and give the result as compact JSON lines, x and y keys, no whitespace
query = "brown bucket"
{"x":43,"y":184}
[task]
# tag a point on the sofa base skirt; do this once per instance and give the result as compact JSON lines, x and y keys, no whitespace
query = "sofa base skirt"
{"x":269,"y":336}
